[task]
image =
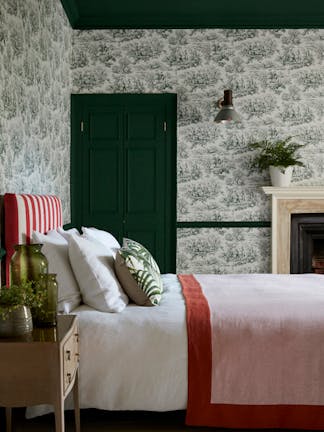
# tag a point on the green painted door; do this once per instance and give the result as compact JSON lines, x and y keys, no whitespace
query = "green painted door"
{"x":123,"y":169}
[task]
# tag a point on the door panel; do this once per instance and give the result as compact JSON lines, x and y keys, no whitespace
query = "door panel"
{"x":103,"y":175}
{"x":141,"y":181}
{"x":101,"y":179}
{"x":135,"y":123}
{"x":123,"y":163}
{"x":104,"y":125}
{"x":145,"y":196}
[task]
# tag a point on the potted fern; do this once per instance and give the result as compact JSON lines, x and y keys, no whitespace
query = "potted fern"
{"x":16,"y":303}
{"x":279,"y":156}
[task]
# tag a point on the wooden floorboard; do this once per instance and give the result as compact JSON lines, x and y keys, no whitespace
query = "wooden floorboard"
{"x":99,"y":421}
{"x":107,"y":421}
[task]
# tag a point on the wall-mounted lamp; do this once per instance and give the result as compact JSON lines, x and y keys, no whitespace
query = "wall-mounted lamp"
{"x":226,"y":112}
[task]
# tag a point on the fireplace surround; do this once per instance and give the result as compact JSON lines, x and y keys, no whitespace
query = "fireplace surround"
{"x":286,"y":202}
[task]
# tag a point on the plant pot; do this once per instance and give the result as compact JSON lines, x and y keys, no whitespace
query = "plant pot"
{"x":18,"y":322}
{"x":280,"y":176}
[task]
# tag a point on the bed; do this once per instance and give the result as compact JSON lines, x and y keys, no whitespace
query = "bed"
{"x":225,"y":364}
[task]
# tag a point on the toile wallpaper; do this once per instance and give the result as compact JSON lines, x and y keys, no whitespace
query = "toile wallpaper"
{"x":35,"y":53}
{"x":224,"y":250}
{"x":277,"y":77}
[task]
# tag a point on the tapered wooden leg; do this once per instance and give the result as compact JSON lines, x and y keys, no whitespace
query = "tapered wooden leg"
{"x":76,"y":403}
{"x":8,"y":419}
{"x":59,"y":416}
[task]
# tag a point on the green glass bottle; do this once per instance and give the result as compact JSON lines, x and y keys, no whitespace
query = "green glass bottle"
{"x":46,"y":315}
{"x":27,"y":263}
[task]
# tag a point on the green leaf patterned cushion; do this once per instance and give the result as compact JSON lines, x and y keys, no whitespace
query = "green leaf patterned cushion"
{"x":140,"y":250}
{"x":139,"y":280}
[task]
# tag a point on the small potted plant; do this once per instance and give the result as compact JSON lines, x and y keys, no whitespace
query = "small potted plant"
{"x":16,"y":303}
{"x":279,"y":156}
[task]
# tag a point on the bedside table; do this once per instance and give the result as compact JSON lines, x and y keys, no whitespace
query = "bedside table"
{"x":42,"y":368}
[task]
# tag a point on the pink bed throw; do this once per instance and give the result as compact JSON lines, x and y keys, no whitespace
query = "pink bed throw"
{"x":256,"y":350}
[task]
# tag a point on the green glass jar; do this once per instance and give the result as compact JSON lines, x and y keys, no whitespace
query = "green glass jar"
{"x":46,"y":315}
{"x":27,"y":263}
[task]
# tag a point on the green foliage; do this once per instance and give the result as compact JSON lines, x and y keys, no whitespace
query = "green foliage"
{"x":279,"y":153}
{"x":146,"y":277}
{"x":149,"y":282}
{"x":26,"y":294}
{"x":141,"y":252}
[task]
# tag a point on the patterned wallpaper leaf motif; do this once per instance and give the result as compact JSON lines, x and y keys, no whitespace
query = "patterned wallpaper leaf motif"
{"x":276,"y":77}
{"x":35,"y":50}
{"x":220,"y":250}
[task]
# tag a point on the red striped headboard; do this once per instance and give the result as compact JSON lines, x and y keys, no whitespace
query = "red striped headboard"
{"x":25,"y":213}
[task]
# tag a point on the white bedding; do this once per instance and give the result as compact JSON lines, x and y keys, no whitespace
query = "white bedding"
{"x":137,"y":359}
{"x":111,"y":379}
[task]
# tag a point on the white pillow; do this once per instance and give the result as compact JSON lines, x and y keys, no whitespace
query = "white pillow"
{"x":92,"y":264}
{"x":54,"y":234}
{"x":104,"y":237}
{"x":67,"y":233}
{"x":55,"y":248}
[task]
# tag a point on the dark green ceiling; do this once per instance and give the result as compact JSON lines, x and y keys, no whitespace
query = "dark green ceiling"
{"x":94,"y":14}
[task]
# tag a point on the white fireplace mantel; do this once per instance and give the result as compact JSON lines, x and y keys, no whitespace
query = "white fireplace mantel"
{"x":285,"y":202}
{"x":293,"y":192}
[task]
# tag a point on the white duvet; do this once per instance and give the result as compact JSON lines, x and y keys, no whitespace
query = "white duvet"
{"x":136,"y":359}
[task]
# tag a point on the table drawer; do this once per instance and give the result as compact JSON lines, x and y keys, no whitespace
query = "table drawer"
{"x":70,"y":357}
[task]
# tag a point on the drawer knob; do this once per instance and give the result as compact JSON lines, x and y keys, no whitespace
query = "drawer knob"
{"x":68,"y":355}
{"x":69,"y":377}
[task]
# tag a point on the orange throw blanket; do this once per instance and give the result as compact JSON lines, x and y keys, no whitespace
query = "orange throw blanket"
{"x":201,"y":410}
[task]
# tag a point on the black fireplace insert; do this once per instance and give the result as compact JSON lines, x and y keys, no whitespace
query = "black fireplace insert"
{"x":307,"y":243}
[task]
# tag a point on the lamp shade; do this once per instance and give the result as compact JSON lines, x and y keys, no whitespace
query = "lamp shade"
{"x":227,"y":112}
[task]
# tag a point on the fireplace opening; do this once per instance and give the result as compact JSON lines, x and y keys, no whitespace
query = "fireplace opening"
{"x":318,"y":256}
{"x":307,"y":243}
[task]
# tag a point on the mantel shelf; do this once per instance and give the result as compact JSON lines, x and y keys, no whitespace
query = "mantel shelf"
{"x":295,"y":192}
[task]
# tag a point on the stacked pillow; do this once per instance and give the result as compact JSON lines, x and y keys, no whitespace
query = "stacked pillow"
{"x":67,"y":233}
{"x":55,"y":248}
{"x":138,"y":274}
{"x":93,"y":266}
{"x":86,"y":266}
{"x":103,"y":237}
